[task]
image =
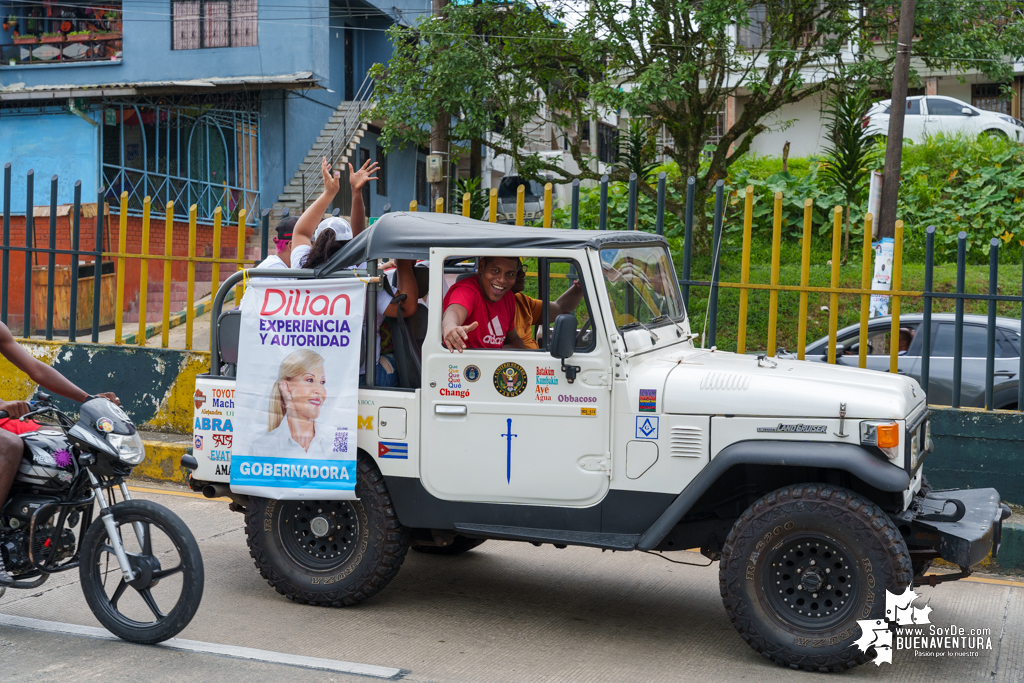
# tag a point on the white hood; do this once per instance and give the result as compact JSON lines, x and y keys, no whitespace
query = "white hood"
{"x":702,"y":382}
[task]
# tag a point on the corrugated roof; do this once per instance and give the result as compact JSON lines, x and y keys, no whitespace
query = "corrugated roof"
{"x":20,"y":91}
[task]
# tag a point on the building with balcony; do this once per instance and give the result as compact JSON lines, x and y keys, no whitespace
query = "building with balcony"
{"x":209,"y":102}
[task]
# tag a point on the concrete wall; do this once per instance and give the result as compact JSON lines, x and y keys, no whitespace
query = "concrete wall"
{"x":155,"y":385}
{"x":978,"y":449}
{"x":54,"y":143}
{"x":801,"y":124}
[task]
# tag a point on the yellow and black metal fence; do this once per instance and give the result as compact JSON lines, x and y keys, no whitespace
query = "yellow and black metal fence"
{"x":86,"y":288}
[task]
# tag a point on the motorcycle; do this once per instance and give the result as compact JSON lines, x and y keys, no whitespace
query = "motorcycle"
{"x":67,"y":470}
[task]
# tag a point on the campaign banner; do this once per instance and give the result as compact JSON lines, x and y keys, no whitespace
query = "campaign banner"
{"x":296,"y":392}
{"x":882,"y":279}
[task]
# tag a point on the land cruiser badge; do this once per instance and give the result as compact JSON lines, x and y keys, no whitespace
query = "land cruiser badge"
{"x":795,"y":429}
{"x":510,"y":379}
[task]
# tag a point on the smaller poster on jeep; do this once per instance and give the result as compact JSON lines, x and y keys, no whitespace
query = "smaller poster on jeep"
{"x":296,"y":393}
{"x":213,"y":428}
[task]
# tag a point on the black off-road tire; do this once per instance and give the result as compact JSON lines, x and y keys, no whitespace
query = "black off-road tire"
{"x":787,"y":529}
{"x":366,"y":562}
{"x":461,"y":544}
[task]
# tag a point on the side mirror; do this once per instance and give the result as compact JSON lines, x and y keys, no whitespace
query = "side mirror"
{"x":840,"y":350}
{"x":967,"y":111}
{"x":563,"y":343}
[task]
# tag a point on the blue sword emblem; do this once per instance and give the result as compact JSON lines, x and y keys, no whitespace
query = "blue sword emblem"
{"x":508,"y":453}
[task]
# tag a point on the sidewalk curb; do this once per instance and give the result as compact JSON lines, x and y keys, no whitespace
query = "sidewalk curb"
{"x":163,"y":462}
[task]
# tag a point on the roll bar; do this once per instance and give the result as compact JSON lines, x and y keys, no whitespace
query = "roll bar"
{"x":369,"y":315}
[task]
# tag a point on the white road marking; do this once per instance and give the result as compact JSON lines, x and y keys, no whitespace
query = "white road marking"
{"x":181,"y":644}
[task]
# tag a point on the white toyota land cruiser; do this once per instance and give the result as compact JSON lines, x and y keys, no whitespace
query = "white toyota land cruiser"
{"x":803,"y":480}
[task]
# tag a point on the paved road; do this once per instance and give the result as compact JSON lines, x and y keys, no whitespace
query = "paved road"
{"x":505,"y":612}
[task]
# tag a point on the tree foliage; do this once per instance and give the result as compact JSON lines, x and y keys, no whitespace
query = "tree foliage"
{"x":675,"y":63}
{"x":850,"y":153}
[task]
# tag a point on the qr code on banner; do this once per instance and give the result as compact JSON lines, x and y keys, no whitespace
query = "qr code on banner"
{"x":341,"y":441}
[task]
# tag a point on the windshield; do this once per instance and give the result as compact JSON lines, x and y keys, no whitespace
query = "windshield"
{"x":641,"y":285}
{"x":510,"y":186}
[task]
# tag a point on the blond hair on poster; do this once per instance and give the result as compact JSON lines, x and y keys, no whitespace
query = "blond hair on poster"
{"x":294,"y":364}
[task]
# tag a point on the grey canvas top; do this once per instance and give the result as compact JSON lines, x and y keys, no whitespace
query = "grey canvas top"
{"x":410,"y":235}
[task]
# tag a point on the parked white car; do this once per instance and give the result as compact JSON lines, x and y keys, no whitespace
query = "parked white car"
{"x":935,"y":114}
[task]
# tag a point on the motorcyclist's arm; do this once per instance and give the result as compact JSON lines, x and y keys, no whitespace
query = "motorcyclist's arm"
{"x":41,"y":373}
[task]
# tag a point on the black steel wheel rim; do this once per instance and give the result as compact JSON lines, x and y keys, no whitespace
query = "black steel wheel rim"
{"x":811,"y":581}
{"x":148,"y":569}
{"x":321,"y":534}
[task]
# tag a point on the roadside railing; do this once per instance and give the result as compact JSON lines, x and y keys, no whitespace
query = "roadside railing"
{"x":895,"y":295}
{"x":96,"y":302}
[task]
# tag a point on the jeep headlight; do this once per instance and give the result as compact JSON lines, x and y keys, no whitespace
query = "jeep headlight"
{"x":883,"y":435}
{"x":129,"y":448}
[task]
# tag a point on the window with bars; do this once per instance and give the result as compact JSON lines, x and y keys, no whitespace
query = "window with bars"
{"x":199,"y":24}
{"x":607,"y":143}
{"x":421,"y":182}
{"x":990,"y":97}
{"x":382,"y":172}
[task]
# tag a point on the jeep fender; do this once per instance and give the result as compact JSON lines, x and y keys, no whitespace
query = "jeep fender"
{"x":847,"y":457}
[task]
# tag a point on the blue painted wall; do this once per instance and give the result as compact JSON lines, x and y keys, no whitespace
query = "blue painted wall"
{"x":55,"y":143}
{"x":401,"y":177}
{"x":292,"y":38}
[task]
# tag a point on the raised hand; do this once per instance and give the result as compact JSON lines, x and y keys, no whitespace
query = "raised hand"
{"x":364,"y":175}
{"x":455,"y":339}
{"x":332,"y":181}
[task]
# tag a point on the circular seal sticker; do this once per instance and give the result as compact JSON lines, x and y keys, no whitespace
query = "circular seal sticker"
{"x":510,"y":379}
{"x":104,"y":424}
{"x":471,"y":373}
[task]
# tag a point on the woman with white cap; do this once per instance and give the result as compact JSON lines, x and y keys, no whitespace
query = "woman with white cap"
{"x":332,"y":233}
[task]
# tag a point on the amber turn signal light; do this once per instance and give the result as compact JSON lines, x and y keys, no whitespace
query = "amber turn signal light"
{"x":888,"y":436}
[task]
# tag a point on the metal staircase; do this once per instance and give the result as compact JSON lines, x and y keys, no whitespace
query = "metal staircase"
{"x":337,"y":141}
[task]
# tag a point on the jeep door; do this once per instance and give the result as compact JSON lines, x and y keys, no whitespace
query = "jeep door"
{"x":505,"y":425}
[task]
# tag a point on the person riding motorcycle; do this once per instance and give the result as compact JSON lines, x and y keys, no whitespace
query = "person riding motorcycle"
{"x":11,"y":446}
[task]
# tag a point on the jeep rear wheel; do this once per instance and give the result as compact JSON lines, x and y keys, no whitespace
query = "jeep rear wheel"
{"x":802,"y":565}
{"x":331,"y":552}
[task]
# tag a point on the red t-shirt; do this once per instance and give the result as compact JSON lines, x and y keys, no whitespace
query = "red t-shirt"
{"x":495,"y":318}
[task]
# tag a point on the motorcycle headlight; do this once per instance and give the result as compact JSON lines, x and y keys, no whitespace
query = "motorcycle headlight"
{"x":129,"y":448}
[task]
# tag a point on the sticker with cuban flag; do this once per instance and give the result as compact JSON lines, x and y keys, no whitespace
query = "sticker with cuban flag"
{"x":393,"y":449}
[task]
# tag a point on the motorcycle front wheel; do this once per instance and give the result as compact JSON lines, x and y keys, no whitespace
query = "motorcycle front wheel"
{"x":168,"y":585}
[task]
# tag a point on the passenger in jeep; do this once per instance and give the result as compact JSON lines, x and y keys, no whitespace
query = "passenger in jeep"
{"x":480,"y":312}
{"x":529,"y":310}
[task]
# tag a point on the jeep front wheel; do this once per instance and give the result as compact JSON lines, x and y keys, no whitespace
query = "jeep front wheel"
{"x":802,"y":565}
{"x":329,"y":552}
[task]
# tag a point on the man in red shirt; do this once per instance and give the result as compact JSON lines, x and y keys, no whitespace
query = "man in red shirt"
{"x":480,"y":312}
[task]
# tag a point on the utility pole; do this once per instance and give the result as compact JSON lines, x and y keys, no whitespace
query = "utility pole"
{"x":897,"y":112}
{"x":439,"y":132}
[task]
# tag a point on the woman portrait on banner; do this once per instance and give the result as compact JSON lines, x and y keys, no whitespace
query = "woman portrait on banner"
{"x":296,"y":399}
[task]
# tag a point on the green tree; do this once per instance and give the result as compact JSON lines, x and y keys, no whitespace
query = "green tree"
{"x":677,"y":63}
{"x":851,"y":153}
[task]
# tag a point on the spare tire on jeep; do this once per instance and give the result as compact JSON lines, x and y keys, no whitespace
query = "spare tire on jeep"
{"x":331,"y":552}
{"x":802,"y":565}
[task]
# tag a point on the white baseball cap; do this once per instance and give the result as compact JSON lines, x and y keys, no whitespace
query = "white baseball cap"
{"x":340,"y":226}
